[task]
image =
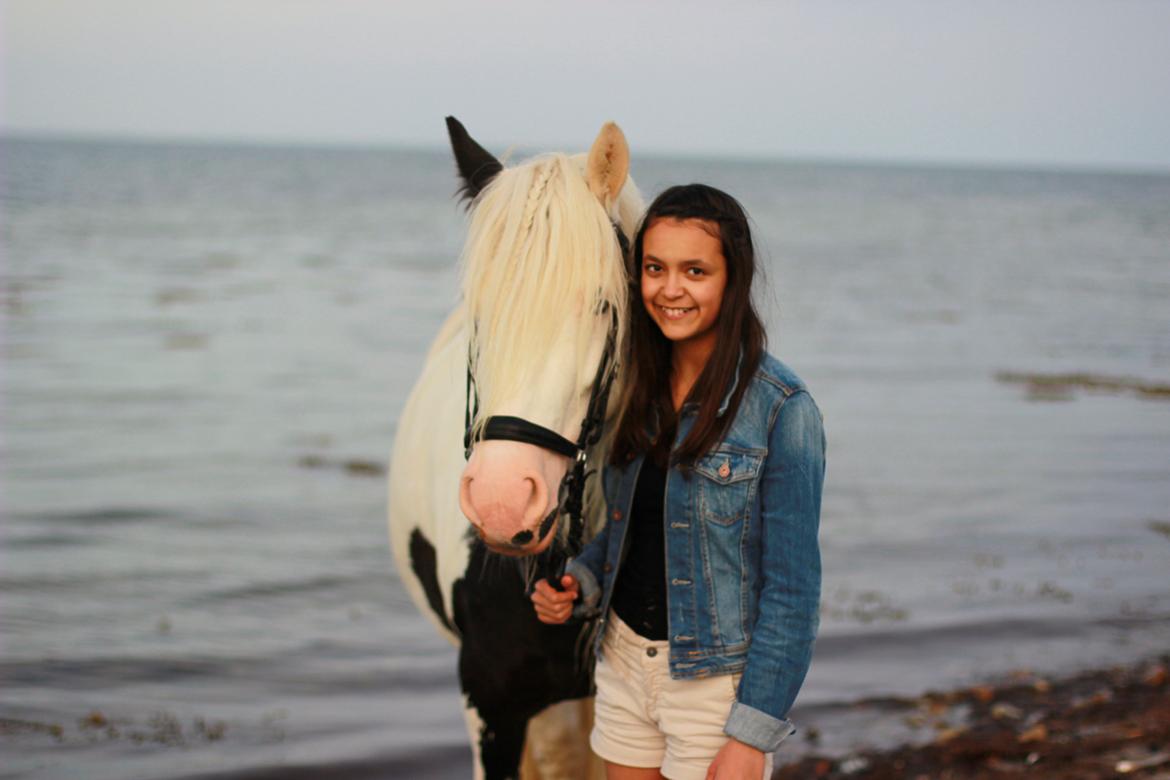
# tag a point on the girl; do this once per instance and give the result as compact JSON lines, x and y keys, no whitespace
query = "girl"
{"x":707,"y":572}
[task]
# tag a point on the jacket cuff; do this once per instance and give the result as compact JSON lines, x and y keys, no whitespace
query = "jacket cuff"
{"x":586,"y":606}
{"x":756,"y":728}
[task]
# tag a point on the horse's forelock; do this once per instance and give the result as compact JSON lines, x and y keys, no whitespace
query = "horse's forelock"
{"x":540,"y":257}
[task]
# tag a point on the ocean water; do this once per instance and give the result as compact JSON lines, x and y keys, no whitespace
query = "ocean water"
{"x":205,"y":350}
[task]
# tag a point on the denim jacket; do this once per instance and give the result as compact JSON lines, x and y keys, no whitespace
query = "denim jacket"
{"x":743,"y":565}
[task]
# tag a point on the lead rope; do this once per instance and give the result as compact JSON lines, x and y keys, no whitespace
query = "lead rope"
{"x":470,"y":404}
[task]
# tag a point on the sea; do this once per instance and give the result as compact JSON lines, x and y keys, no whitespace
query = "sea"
{"x":206,"y":349}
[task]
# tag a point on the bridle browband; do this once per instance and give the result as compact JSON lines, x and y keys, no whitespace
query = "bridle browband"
{"x":571,"y":493}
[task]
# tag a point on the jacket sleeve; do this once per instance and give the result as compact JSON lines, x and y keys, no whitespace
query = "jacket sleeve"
{"x":788,"y":616}
{"x":586,"y":567}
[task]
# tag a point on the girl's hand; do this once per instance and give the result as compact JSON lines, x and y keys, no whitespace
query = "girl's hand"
{"x":737,"y":761}
{"x":553,"y":606}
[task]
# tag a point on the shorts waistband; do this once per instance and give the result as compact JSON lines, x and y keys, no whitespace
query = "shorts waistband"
{"x":628,"y":636}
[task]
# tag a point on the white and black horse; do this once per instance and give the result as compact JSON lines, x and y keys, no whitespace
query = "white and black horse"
{"x":513,"y":374}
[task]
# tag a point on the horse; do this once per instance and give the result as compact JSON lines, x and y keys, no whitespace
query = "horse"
{"x":476,"y":501}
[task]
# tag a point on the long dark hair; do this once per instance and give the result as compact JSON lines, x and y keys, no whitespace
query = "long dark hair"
{"x":647,"y":353}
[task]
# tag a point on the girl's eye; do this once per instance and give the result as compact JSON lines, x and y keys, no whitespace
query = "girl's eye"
{"x":695,"y":271}
{"x":651,"y":268}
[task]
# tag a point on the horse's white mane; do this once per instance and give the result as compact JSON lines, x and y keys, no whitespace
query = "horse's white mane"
{"x":539,"y":264}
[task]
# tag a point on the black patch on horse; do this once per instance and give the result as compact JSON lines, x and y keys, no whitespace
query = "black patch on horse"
{"x":424,"y":566}
{"x":511,"y":665}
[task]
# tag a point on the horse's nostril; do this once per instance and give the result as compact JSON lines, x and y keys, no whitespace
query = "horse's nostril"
{"x":524,"y":537}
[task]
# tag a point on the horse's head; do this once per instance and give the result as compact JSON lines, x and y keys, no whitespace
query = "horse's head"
{"x":544,"y":285}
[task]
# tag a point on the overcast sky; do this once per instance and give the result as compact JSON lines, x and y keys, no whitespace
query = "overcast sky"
{"x":1067,"y":82}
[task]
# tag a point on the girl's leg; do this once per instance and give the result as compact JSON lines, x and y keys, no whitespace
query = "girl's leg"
{"x":628,"y":676}
{"x":619,"y":772}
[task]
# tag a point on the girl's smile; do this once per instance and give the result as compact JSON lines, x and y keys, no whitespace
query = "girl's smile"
{"x":675,"y":313}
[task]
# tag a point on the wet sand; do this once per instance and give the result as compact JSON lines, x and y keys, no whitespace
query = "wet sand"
{"x":1106,"y":723}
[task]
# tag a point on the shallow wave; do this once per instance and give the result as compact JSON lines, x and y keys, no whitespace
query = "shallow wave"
{"x":48,"y":540}
{"x":279,"y":588}
{"x":86,"y":583}
{"x":102,"y":673}
{"x":303,"y":674}
{"x":113,"y":515}
{"x":841,"y":645}
{"x":441,"y":762}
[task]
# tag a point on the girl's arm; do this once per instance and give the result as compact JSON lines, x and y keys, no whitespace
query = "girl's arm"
{"x":586,"y":568}
{"x":788,"y":616}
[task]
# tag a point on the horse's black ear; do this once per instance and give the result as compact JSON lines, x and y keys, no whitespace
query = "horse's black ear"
{"x":476,"y":165}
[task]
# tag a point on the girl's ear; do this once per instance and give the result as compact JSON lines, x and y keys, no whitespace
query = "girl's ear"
{"x":608,"y":165}
{"x":477,"y":167}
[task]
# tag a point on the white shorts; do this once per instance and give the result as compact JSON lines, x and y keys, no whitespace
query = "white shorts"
{"x":643,"y":718}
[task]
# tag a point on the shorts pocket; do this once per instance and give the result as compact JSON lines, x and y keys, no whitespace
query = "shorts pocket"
{"x":606,"y":674}
{"x":735,"y":678}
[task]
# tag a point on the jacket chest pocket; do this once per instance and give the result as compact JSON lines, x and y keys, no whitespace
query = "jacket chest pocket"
{"x":726,"y":481}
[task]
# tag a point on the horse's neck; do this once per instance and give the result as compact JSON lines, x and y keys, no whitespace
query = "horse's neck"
{"x":452,"y":328}
{"x":425,"y":467}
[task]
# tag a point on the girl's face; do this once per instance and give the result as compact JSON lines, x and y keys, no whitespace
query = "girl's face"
{"x":684,"y":274}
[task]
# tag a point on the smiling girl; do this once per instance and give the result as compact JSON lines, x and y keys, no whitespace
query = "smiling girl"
{"x":707,"y":573}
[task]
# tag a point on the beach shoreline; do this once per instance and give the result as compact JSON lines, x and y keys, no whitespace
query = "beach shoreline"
{"x":1112,"y":722}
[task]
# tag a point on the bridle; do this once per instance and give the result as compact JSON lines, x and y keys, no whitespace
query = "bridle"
{"x":571,"y":493}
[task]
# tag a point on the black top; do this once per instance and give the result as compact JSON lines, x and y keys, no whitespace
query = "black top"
{"x":639,"y":595}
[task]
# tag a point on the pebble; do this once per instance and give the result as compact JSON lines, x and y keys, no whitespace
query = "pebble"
{"x":1001,"y":710}
{"x":1038,"y":733}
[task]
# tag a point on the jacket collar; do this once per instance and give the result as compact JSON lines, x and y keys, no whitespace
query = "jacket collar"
{"x":734,"y":384}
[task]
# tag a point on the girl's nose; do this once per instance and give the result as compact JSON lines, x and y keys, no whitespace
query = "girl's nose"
{"x":673,"y":287}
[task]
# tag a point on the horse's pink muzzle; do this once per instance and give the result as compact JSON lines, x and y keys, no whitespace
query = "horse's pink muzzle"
{"x":504,"y":494}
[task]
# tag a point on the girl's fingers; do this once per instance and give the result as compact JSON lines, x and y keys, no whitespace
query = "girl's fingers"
{"x":543,"y":593}
{"x":553,"y":606}
{"x":569,"y":583}
{"x":553,"y":615}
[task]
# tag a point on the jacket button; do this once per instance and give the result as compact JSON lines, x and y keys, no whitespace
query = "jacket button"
{"x":617,"y":515}
{"x":607,"y":568}
{"x":651,"y":651}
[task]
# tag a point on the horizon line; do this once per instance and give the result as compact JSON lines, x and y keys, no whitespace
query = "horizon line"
{"x":941,"y":163}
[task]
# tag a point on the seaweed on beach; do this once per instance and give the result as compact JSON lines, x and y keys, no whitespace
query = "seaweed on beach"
{"x":864,"y":606}
{"x":160,"y":728}
{"x":1097,"y":724}
{"x":353,"y":466}
{"x":1060,"y":387}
